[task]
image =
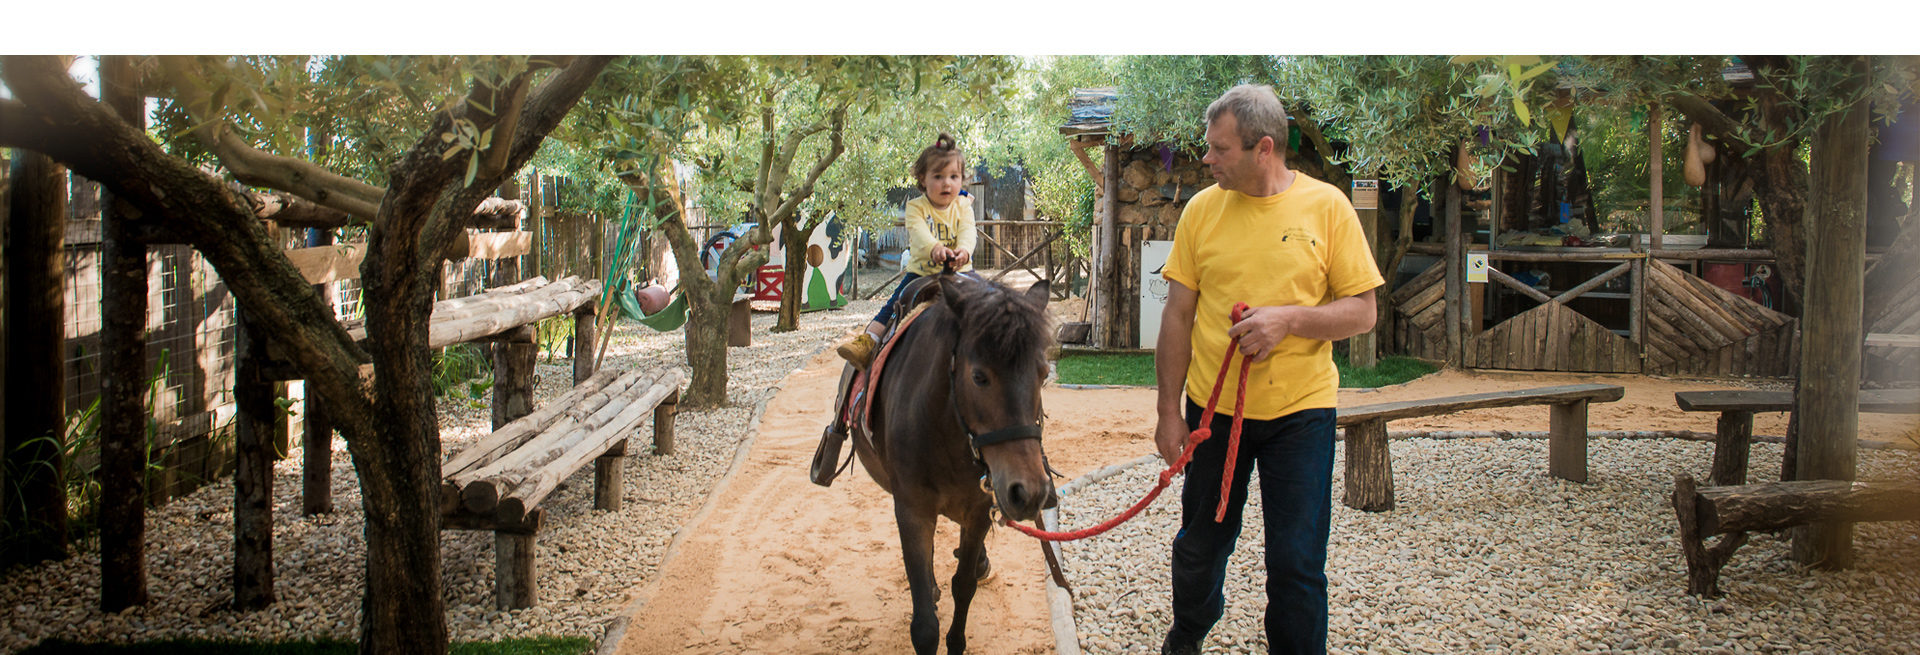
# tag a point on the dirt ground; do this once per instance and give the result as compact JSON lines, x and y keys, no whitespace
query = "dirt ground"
{"x":783,"y":566}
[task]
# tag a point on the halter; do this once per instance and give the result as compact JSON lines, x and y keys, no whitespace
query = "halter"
{"x":977,"y":441}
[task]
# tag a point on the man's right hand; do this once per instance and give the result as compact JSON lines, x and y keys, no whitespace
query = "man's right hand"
{"x":1170,"y":436}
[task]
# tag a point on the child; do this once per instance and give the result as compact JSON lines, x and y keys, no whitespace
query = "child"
{"x":940,"y":225}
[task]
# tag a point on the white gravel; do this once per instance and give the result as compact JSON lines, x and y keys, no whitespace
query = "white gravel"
{"x":588,"y":561}
{"x":1485,"y":552}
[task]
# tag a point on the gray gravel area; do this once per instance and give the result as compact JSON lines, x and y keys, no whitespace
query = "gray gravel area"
{"x":1485,"y":552}
{"x":590,"y":563}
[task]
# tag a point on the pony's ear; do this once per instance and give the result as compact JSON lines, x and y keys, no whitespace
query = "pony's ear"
{"x":953,"y":291}
{"x":1038,"y":292}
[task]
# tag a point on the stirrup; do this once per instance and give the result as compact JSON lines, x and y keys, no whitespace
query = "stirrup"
{"x":826,"y":458}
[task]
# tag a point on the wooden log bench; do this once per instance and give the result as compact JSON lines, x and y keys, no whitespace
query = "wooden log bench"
{"x":498,"y":483}
{"x":1370,"y":465}
{"x":1733,"y":433}
{"x":1738,"y":509}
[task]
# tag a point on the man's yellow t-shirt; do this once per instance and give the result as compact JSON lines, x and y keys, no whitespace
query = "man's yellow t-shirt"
{"x":928,"y":225}
{"x":1302,"y":246}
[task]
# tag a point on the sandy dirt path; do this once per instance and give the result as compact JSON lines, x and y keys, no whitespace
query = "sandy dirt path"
{"x":782,"y":566}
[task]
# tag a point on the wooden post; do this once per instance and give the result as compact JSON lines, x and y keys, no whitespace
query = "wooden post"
{"x":1732,"y":438}
{"x":1456,"y":277}
{"x":1363,"y":349}
{"x":514,"y":358}
{"x":1105,"y":305}
{"x":583,"y":322}
{"x":1369,"y":467}
{"x":1567,"y":441}
{"x":316,"y":439}
{"x":514,"y":584}
{"x":123,"y":345}
{"x":1656,"y":156}
{"x":740,"y":322}
{"x":536,"y":222}
{"x":607,"y":477}
{"x":663,"y":423}
{"x":36,"y":367}
{"x":252,"y":474}
{"x":316,"y":459}
{"x":1829,"y":397}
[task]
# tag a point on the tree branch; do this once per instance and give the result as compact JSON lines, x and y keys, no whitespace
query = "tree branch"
{"x":838,"y":123}
{"x":259,"y":168}
{"x":760,"y":190}
{"x":54,"y":116}
{"x":1711,"y":119}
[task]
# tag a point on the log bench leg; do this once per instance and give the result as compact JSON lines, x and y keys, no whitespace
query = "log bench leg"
{"x":316,"y":470}
{"x":1567,"y":443}
{"x":1703,"y":562}
{"x":513,"y":375}
{"x":583,"y":345}
{"x":1369,"y":467}
{"x":663,"y":423}
{"x":513,"y":574}
{"x":1732,"y":437}
{"x":608,"y":475}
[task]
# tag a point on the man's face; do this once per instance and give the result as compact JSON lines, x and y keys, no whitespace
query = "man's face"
{"x":1233,"y":165}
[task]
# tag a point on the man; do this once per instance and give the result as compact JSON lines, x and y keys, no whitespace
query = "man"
{"x":1290,"y":247}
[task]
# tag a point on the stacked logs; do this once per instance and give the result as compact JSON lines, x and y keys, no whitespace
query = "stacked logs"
{"x":483,"y":315}
{"x":506,"y":474}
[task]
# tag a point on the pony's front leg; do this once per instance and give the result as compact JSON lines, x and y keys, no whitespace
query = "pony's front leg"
{"x":916,"y":547}
{"x":966,"y":575}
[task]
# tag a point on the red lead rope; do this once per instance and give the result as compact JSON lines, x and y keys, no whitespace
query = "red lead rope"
{"x":1186,"y":455}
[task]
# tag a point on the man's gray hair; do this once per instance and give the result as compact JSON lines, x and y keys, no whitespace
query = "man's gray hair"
{"x":1257,"y":108}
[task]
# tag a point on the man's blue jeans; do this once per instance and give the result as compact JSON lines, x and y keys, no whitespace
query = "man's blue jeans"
{"x":1294,"y":455}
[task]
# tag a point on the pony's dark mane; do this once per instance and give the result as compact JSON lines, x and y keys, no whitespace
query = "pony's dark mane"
{"x":1004,"y":325}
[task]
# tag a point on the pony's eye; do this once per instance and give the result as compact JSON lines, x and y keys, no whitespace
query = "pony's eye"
{"x":979,"y":377}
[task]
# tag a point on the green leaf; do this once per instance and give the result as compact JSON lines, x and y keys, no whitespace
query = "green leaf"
{"x":473,"y":167}
{"x":1537,"y":70}
{"x":1520,"y":111}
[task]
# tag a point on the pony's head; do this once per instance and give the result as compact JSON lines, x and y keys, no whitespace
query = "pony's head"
{"x":999,"y":364}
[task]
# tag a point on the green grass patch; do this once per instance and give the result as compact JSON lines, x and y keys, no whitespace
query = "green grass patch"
{"x":1128,"y":369}
{"x":1390,"y":371}
{"x":534,"y":646}
{"x":1136,"y":369}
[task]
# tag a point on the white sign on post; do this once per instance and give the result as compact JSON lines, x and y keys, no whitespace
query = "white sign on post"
{"x":1476,"y":267}
{"x":1153,"y":289}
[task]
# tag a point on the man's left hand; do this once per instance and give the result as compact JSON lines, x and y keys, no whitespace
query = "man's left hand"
{"x":961,"y":256}
{"x":1260,"y":329}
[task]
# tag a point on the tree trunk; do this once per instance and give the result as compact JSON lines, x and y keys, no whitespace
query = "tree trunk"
{"x":1830,"y":352}
{"x":1783,"y":188}
{"x":793,"y":289}
{"x":709,"y":305}
{"x":123,"y":414}
{"x":36,"y":509}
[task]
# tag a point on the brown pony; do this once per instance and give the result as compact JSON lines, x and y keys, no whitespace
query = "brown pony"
{"x":957,"y":410}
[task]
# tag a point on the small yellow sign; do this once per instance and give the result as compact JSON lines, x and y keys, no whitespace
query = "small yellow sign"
{"x":1476,"y":267}
{"x":1366,"y":194}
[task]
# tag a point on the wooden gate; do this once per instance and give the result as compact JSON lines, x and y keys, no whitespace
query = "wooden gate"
{"x":1695,"y":328}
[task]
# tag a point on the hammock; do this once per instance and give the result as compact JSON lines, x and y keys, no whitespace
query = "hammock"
{"x":669,"y":318}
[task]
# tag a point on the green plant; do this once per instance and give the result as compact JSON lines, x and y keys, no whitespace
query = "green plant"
{"x":554,"y":333}
{"x":459,"y":363}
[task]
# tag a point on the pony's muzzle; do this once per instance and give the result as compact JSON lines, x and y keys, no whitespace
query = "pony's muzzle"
{"x":1022,"y":501}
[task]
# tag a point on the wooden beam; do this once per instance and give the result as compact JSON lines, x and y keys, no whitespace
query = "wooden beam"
{"x":1775,"y":505}
{"x":1517,"y":285}
{"x":1079,"y":147}
{"x":1593,"y":283}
